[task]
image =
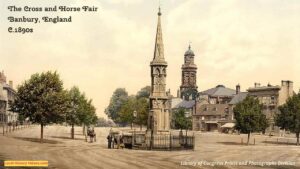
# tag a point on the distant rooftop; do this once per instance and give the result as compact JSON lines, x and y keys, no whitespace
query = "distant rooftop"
{"x":238,"y":98}
{"x":219,"y":90}
{"x":261,"y":88}
{"x":178,"y":102}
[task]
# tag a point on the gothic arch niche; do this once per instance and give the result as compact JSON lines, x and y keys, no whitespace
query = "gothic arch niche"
{"x":157,"y":71}
{"x":164,"y":71}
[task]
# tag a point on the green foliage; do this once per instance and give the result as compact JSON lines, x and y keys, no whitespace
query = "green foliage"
{"x":140,"y":106}
{"x":41,"y":98}
{"x":119,"y":97}
{"x":76,"y":100}
{"x":127,"y":109}
{"x":102,"y":122}
{"x":122,"y":106}
{"x":289,"y":116}
{"x":144,"y":92}
{"x":181,"y":121}
{"x":189,"y":94}
{"x":89,"y":113}
{"x":249,"y":116}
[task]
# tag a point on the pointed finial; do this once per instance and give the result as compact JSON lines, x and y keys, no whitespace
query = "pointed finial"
{"x":190,"y":45}
{"x":159,"y":12}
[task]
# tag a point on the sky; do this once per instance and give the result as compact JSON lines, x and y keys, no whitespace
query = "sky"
{"x":235,"y":42}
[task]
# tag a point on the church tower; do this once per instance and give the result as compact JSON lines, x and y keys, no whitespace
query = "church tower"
{"x":188,"y":88}
{"x":158,"y":120}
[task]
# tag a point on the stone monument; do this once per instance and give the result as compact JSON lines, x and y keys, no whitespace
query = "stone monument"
{"x":159,"y":117}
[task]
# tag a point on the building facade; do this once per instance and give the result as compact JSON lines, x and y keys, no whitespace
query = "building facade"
{"x":159,"y":117}
{"x":188,"y":88}
{"x":212,"y":109}
{"x":272,"y":97}
{"x":7,"y":96}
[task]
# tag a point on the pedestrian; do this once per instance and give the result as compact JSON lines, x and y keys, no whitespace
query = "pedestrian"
{"x":118,"y":141}
{"x":113,"y":141}
{"x":122,"y":143}
{"x":109,"y":139}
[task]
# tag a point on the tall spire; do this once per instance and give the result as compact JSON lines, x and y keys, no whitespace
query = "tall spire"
{"x":159,"y":46}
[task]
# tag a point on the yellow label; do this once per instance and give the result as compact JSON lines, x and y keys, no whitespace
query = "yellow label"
{"x":17,"y":163}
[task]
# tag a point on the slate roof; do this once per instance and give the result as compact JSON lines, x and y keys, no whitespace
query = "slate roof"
{"x":219,"y":90}
{"x":238,"y":98}
{"x":178,"y":102}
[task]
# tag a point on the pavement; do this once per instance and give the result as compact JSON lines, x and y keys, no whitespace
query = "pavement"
{"x":212,"y":150}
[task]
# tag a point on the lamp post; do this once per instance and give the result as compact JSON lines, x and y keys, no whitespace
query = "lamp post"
{"x":134,"y":117}
{"x":135,"y":114}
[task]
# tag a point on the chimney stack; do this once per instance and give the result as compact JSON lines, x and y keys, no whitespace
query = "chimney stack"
{"x":11,"y":84}
{"x":256,"y":85}
{"x":237,"y":89}
{"x":2,"y":77}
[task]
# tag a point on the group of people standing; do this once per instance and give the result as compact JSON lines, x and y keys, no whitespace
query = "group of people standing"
{"x":115,"y":141}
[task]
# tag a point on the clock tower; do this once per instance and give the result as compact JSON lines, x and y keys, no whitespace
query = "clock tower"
{"x":188,"y":88}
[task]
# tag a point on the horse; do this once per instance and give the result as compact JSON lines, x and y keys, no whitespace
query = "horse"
{"x":91,"y":133}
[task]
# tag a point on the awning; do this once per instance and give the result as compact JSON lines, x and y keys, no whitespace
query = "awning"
{"x":228,"y":125}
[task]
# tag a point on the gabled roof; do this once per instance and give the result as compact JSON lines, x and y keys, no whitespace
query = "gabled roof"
{"x":238,"y":98}
{"x":219,"y":90}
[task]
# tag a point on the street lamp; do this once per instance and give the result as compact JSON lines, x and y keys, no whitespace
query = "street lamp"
{"x":134,"y":116}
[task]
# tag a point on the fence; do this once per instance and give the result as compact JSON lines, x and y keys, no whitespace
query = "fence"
{"x":10,"y":127}
{"x":162,"y":142}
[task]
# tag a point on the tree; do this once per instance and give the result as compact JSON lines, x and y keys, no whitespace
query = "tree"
{"x":139,"y":106}
{"x":289,"y":116}
{"x":42,"y":99}
{"x":126,"y":111}
{"x":181,"y":120}
{"x":144,"y":92}
{"x":119,"y":97}
{"x":87,"y":115}
{"x":90,"y":113}
{"x":142,"y":109}
{"x":75,"y":103}
{"x":249,"y":116}
{"x":102,"y":122}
